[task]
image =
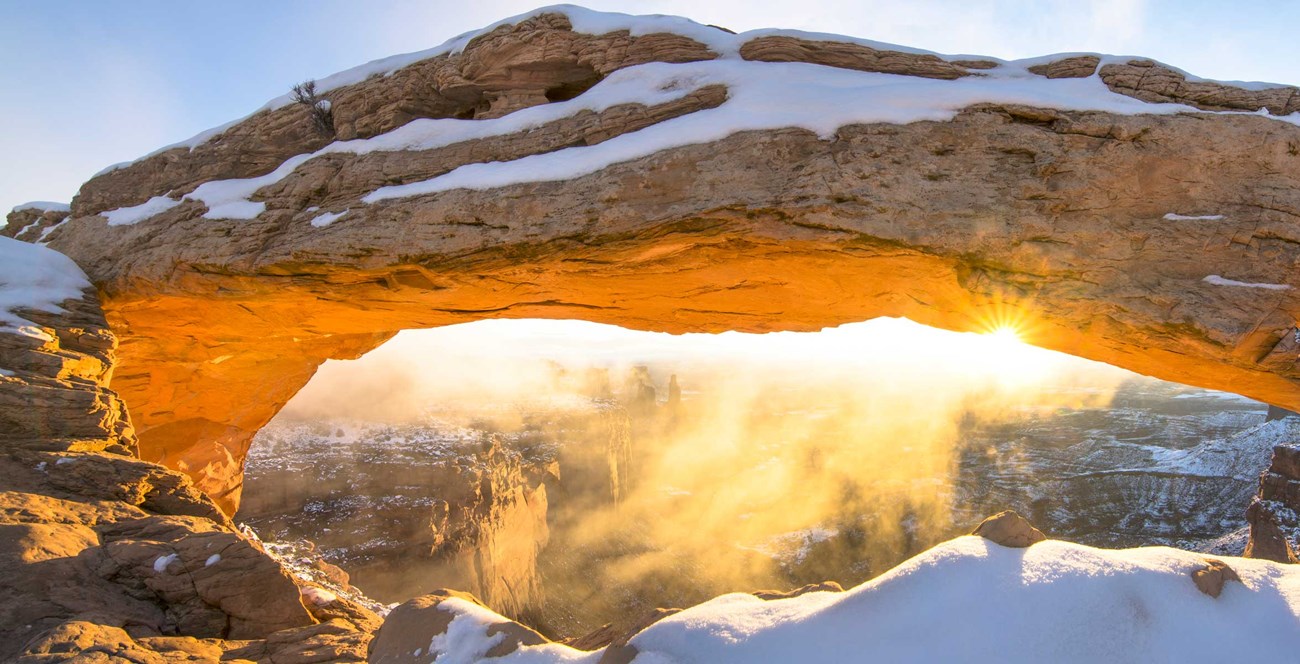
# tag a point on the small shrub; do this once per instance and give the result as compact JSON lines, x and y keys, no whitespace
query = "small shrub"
{"x":322,"y":114}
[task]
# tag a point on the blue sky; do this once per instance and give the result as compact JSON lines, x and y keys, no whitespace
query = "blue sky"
{"x":87,"y":84}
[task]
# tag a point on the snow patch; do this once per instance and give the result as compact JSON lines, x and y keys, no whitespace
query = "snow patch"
{"x":34,"y":277}
{"x":47,"y":206}
{"x":127,"y":216}
{"x":24,"y":229}
{"x":162,"y":562}
{"x":34,"y":332}
{"x":7,"y":373}
{"x":1220,"y":281}
{"x":317,"y":596}
{"x":46,"y":233}
{"x":212,"y":560}
{"x":328,"y":218}
{"x":63,"y":461}
{"x":466,"y":640}
{"x":1181,"y":217}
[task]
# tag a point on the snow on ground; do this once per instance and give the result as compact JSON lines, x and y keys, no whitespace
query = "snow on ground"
{"x":969,"y":600}
{"x":1227,"y":457}
{"x":37,"y":278}
{"x":761,"y":96}
{"x":1220,"y":281}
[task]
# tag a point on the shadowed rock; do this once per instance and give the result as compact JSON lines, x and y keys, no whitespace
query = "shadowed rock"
{"x":1274,"y":514}
{"x":1009,"y":529}
{"x":107,"y":555}
{"x":823,"y":587}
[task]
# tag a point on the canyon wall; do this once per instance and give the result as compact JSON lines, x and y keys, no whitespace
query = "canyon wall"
{"x":409,"y":508}
{"x":405,"y":516}
{"x":1274,"y":514}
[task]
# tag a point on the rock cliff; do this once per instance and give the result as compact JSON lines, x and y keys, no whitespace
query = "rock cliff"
{"x":104,"y":553}
{"x":1274,"y":514}
{"x":405,"y":510}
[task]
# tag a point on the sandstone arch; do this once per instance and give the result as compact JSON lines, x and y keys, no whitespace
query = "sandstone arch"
{"x":1055,"y":219}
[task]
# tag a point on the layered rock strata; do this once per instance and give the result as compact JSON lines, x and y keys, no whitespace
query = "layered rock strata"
{"x":105,"y":555}
{"x":1274,"y":514}
{"x":404,"y":517}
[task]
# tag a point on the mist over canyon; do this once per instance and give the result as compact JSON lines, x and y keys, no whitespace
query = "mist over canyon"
{"x":573,"y":475}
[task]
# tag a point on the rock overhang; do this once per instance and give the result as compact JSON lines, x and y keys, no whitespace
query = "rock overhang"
{"x":1119,"y":209}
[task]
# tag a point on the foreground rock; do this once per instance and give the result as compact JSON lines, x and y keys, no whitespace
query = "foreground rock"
{"x":1161,"y":242}
{"x":1010,"y":530}
{"x":1211,"y":578}
{"x":104,"y":553}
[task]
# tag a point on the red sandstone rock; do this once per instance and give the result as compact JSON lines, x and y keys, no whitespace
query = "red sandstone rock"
{"x":1009,"y":529}
{"x":1210,"y":579}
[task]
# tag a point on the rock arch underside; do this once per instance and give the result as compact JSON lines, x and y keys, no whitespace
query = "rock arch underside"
{"x":640,"y":171}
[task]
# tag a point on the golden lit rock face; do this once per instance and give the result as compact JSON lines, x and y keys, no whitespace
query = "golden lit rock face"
{"x":1051,"y":221}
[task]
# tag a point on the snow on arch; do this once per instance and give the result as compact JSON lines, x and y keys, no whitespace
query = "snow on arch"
{"x":34,"y":277}
{"x":1220,"y":281}
{"x":587,"y":21}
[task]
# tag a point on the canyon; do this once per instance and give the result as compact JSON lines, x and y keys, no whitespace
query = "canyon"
{"x":1156,"y":464}
{"x":570,"y":164}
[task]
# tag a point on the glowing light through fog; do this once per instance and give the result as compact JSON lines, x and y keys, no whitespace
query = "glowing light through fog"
{"x":1013,"y":360}
{"x":1005,"y":335}
{"x":491,"y":358}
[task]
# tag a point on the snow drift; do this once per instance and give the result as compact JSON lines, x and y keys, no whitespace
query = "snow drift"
{"x":966,"y":600}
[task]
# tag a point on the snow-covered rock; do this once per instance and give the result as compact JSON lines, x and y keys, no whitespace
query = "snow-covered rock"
{"x":966,"y":600}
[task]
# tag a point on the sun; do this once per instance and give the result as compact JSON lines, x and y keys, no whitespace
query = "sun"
{"x":1006,"y":353}
{"x":1005,"y":335}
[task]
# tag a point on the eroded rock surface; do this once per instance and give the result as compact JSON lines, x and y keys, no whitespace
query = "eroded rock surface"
{"x":470,"y":515}
{"x":1211,"y":578}
{"x":1009,"y":529}
{"x":1274,"y":515}
{"x":108,"y":556}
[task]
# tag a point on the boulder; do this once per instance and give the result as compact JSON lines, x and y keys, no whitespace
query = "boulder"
{"x":410,"y":632}
{"x":1009,"y":529}
{"x":1210,"y":578}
